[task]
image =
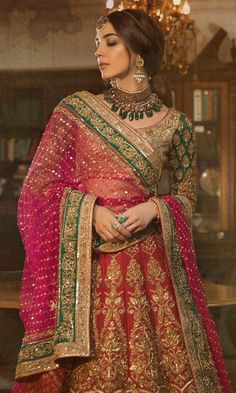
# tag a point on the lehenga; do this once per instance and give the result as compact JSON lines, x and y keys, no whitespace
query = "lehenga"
{"x":106,"y":317}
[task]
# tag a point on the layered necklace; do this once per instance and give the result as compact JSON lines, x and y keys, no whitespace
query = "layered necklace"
{"x":133,"y":105}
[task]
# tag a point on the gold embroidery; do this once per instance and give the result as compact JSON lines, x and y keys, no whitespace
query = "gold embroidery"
{"x":183,"y":162}
{"x":129,"y":133}
{"x":169,"y":332}
{"x":73,"y":330}
{"x":109,"y":247}
{"x":145,"y":368}
{"x":36,"y":366}
{"x":130,"y":154}
{"x":31,"y":337}
{"x":109,"y":370}
{"x":73,"y":337}
{"x":115,"y":157}
{"x":202,"y":365}
{"x":158,"y":361}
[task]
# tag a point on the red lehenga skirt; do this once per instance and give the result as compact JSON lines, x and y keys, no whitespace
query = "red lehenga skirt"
{"x":139,"y":342}
{"x":138,"y":339}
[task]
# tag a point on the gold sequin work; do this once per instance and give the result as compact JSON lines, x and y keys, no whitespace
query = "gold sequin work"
{"x":138,"y":337}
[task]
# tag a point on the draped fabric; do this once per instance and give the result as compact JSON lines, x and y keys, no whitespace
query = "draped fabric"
{"x":106,"y":317}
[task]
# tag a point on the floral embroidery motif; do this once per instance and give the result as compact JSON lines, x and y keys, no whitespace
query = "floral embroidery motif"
{"x":183,"y":161}
{"x":145,"y":366}
{"x":143,"y":355}
{"x":109,"y":370}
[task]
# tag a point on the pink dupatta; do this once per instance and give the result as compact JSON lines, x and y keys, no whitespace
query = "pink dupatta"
{"x":184,"y":238}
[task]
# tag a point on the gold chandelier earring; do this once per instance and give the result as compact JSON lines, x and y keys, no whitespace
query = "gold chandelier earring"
{"x":139,"y":74}
{"x":113,"y":82}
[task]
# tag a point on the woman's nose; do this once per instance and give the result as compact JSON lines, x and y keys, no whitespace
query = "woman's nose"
{"x":98,"y":52}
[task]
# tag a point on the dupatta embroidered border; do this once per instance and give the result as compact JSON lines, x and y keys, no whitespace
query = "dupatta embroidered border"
{"x":130,"y":146}
{"x":203,"y":367}
{"x":72,"y":332}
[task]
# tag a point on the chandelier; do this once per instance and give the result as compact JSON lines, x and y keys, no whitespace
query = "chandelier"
{"x":178,"y":27}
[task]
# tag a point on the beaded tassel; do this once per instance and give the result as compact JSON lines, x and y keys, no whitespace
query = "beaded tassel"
{"x":133,"y":105}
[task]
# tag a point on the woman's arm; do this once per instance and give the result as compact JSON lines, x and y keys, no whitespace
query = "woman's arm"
{"x":183,"y":164}
{"x":52,"y":173}
{"x":52,"y":169}
{"x":183,"y":178}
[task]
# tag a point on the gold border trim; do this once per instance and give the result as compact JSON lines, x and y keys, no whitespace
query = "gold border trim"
{"x":110,"y":247}
{"x":115,"y":138}
{"x":200,"y":378}
{"x":84,"y":260}
{"x":72,"y":340}
{"x":36,"y":367}
{"x":73,"y":315}
{"x":140,"y":143}
{"x":116,"y":157}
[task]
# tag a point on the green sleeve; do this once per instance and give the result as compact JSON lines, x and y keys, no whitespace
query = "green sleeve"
{"x":183,"y":164}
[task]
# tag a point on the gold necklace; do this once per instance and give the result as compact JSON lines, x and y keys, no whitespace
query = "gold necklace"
{"x":133,"y":104}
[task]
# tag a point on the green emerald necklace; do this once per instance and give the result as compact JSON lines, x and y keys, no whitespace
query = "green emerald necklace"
{"x":133,"y":105}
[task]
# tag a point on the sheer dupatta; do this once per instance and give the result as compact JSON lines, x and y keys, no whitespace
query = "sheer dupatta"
{"x":55,"y":221}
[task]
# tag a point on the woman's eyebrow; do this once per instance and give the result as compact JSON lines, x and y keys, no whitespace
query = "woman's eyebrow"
{"x":107,"y":35}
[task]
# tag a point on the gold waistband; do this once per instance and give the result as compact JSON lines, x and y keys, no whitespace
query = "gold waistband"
{"x":136,"y":238}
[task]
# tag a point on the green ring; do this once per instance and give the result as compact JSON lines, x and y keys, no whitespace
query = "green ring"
{"x":114,"y":225}
{"x":122,"y":219}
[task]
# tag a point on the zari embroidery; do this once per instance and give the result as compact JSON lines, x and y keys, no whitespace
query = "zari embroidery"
{"x":115,"y":157}
{"x":195,"y":340}
{"x":72,"y":337}
{"x":75,"y":277}
{"x":109,"y":370}
{"x":183,"y":162}
{"x":121,"y":145}
{"x":168,"y":331}
{"x":132,"y":366}
{"x":145,"y":367}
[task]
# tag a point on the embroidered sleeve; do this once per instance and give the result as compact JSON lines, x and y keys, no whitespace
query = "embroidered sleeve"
{"x":183,"y":164}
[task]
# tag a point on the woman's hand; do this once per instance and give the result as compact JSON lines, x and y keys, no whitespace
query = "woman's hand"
{"x":139,"y":216}
{"x":103,"y":219}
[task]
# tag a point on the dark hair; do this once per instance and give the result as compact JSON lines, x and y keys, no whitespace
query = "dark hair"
{"x":143,"y":36}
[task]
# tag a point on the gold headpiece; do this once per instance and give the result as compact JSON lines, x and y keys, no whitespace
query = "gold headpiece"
{"x":102,"y":23}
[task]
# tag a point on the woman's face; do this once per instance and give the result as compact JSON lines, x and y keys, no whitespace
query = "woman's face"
{"x":113,"y":57}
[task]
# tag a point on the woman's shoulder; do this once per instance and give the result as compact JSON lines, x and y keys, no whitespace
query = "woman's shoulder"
{"x":75,"y":96}
{"x":181,"y":121}
{"x":76,"y":103}
{"x":184,"y":131}
{"x":180,"y":117}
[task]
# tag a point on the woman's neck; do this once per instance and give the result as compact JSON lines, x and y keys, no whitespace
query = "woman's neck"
{"x":130,"y":85}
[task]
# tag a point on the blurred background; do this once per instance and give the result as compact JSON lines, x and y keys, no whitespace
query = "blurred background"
{"x":47,"y":52}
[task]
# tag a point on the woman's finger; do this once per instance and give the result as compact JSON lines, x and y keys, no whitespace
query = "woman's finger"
{"x":118,"y":236}
{"x":108,"y":232}
{"x":124,"y":231}
{"x":134,"y":227}
{"x":131,"y":221}
{"x":137,"y":229}
{"x":114,"y":234}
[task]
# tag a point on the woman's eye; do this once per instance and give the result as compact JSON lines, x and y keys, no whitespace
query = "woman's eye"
{"x":111,"y":43}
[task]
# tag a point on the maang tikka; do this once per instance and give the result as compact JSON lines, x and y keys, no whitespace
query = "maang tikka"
{"x":139,"y":74}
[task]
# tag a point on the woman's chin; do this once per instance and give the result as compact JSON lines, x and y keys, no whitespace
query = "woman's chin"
{"x":107,"y":76}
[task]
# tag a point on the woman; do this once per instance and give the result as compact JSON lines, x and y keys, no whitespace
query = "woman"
{"x":111,"y":298}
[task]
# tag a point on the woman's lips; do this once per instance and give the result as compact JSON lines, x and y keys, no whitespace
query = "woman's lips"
{"x":103,"y":65}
